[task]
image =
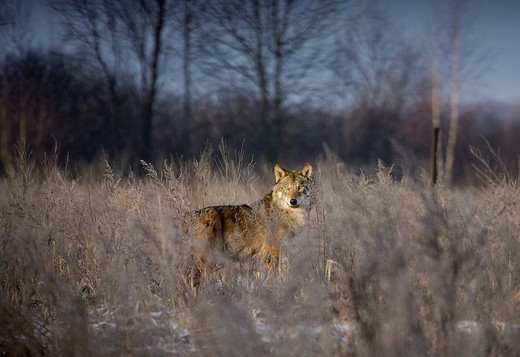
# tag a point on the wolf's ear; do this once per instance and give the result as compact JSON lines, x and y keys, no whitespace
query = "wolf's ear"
{"x":279,"y":173}
{"x":306,"y":170}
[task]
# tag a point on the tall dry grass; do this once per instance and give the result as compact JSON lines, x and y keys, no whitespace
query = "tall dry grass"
{"x":97,"y":264}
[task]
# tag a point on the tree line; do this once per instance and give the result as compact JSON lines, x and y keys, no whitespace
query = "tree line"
{"x":283,"y":80}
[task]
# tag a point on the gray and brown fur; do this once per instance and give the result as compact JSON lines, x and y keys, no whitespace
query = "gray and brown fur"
{"x":256,"y":230}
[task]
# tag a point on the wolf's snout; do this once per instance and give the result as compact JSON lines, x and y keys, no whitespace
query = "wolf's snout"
{"x":293,"y":202}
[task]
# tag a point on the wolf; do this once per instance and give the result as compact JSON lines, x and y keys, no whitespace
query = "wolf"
{"x":257,"y":230}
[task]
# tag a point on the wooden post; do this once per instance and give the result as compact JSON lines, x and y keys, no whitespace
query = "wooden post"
{"x":434,"y":174}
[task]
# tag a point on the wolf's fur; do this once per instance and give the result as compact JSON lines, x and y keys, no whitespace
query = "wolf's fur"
{"x":259,"y":229}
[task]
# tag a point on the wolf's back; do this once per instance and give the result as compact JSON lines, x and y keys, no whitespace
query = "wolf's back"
{"x":235,"y":229}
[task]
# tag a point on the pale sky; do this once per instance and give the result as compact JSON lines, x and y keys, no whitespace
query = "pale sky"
{"x":497,"y":30}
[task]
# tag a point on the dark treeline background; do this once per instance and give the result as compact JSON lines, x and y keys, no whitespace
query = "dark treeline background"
{"x":284,"y":80}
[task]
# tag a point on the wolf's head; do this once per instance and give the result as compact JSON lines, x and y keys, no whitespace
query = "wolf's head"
{"x":292,"y":188}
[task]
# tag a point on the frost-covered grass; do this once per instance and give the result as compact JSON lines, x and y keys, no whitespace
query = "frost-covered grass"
{"x":98,"y":264}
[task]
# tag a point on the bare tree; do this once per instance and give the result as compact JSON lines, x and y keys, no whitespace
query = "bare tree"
{"x":267,"y":47}
{"x":465,"y":60}
{"x":91,"y":28}
{"x":16,"y":41}
{"x":436,"y":116}
{"x":188,"y":17}
{"x":187,"y":32}
{"x":454,"y":40}
{"x":379,"y":74}
{"x":14,"y":30}
{"x":5,"y":14}
{"x":124,"y":37}
{"x":144,"y":26}
{"x":372,"y":62}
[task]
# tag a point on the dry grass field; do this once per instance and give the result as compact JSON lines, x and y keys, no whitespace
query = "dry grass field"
{"x":96,"y":263}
